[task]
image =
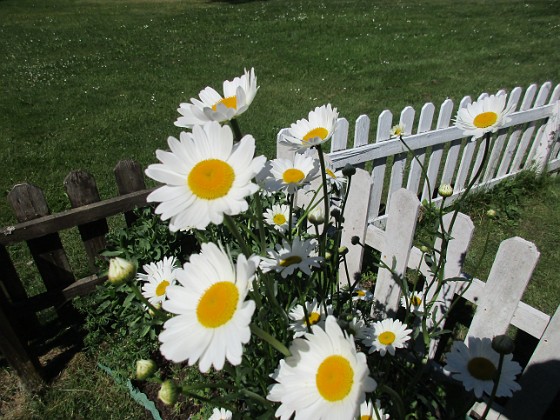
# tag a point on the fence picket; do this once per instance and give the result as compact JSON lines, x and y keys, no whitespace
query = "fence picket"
{"x":82,"y":190}
{"x":379,"y":165}
{"x":339,"y":139}
{"x":399,"y":160}
{"x":129,"y":176}
{"x":527,"y":133}
{"x":508,"y":278}
{"x":424,"y":124}
{"x":361,"y":131}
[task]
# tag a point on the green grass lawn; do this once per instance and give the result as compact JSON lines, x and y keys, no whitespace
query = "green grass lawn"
{"x":85,"y":83}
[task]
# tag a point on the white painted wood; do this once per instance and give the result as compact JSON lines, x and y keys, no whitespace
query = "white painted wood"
{"x":361,"y":131}
{"x":444,"y":119}
{"x":384,"y":124}
{"x":526,"y":137}
{"x":461,"y":232}
{"x":339,"y":139}
{"x":424,"y":124}
{"x":399,"y":160}
{"x":283,"y":149}
{"x":355,"y":223}
{"x":401,"y":225}
{"x":479,"y":158}
{"x":530,"y":161}
{"x":540,"y":381}
{"x":508,"y":278}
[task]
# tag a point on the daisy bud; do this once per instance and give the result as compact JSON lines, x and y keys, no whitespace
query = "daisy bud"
{"x":168,"y":393}
{"x":503,"y":344}
{"x":121,"y":271}
{"x":355,"y":240}
{"x":445,"y":190}
{"x":335,"y":213}
{"x":348,"y":170}
{"x":343,"y":250}
{"x":145,"y":368}
{"x":424,"y":249}
{"x":317,"y":215}
{"x":491,"y":214}
{"x":328,"y":255}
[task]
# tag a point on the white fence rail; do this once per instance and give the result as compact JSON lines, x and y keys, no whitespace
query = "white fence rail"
{"x":530,"y":140}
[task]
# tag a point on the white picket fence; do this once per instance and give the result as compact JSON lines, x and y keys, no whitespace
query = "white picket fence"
{"x":530,"y":140}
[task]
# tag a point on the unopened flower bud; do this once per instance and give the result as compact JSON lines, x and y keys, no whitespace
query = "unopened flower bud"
{"x":445,"y":190}
{"x":335,"y":213}
{"x":348,"y":170}
{"x":343,"y":250}
{"x":317,"y":215}
{"x":121,"y":271}
{"x":491,"y":214}
{"x":328,"y":255}
{"x":168,"y":393}
{"x":145,"y":368}
{"x":503,"y":344}
{"x":424,"y":249}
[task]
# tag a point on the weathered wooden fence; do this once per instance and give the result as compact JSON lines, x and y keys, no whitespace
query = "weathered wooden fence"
{"x":22,"y":335}
{"x":530,"y":140}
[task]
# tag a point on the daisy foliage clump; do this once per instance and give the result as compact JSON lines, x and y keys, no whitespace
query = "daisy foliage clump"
{"x":260,"y":302}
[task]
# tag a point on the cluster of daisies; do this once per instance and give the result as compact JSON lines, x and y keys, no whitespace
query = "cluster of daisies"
{"x":207,"y":176}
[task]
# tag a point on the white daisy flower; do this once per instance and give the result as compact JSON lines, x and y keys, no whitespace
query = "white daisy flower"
{"x":476,"y":366}
{"x":278,"y":216}
{"x":397,"y":130}
{"x":414,"y":301}
{"x":213,"y":318}
{"x":316,"y":316}
{"x":388,"y":335}
{"x":360,"y":293}
{"x":287,"y":258}
{"x":316,"y":129}
{"x":324,"y":378}
{"x":157,"y":277}
{"x":238,"y":95}
{"x":485,"y":116}
{"x":206,"y":176}
{"x":369,"y":412}
{"x":359,"y":329}
{"x":336,"y":179}
{"x":290,"y":175}
{"x":221,"y":414}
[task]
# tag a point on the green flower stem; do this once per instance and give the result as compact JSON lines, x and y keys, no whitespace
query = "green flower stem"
{"x":262,"y":334}
{"x":256,"y":397}
{"x":325,"y":196}
{"x":396,"y":398}
{"x":260,"y":223}
{"x":230,"y":223}
{"x":157,"y":312}
{"x":236,"y":129}
{"x":495,"y":387}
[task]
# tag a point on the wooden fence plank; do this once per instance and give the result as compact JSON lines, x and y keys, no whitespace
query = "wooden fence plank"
{"x":401,"y":224}
{"x":361,"y":131}
{"x":82,"y":190}
{"x":508,"y":278}
{"x":129,"y":176}
{"x":540,"y":381}
{"x":339,"y":139}
{"x":378,"y":172}
{"x":399,"y":160}
{"x":424,"y":124}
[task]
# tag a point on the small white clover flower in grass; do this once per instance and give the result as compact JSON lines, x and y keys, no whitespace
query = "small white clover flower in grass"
{"x":485,"y":116}
{"x":290,"y":175}
{"x":317,"y":129}
{"x":369,"y":412}
{"x":120,"y":271}
{"x":205,"y":177}
{"x":287,"y":258}
{"x":324,"y":378}
{"x":316,"y":315}
{"x":397,"y":130}
{"x":388,"y":335}
{"x":237,"y":96}
{"x":156,"y":277}
{"x":415,"y":302}
{"x":278,"y":216}
{"x":213,"y":318}
{"x":221,"y":414}
{"x":476,"y":366}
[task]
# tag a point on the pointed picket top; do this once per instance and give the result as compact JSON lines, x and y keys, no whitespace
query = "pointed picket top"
{"x":361,"y":131}
{"x":555,"y":94}
{"x":283,"y":149}
{"x":384,"y":125}
{"x":424,"y":125}
{"x":339,"y":139}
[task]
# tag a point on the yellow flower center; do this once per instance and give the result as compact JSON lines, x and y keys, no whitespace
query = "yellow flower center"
{"x":314,"y":317}
{"x":416,"y":301}
{"x":320,"y":132}
{"x":481,"y":368}
{"x":218,"y":304}
{"x":485,"y":119}
{"x":160,"y":289}
{"x":361,"y":293}
{"x":293,"y":176}
{"x":230,"y":102}
{"x":291,"y":260}
{"x":387,"y":337}
{"x":334,"y":378}
{"x":211,"y":179}
{"x":366,"y":417}
{"x":279,"y":219}
{"x":330,"y":173}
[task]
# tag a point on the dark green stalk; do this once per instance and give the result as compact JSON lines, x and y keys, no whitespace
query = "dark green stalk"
{"x":230,"y":223}
{"x":237,"y":136}
{"x":495,"y":387}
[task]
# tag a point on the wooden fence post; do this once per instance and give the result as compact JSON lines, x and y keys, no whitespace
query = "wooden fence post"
{"x":130,"y":178}
{"x":401,"y":225}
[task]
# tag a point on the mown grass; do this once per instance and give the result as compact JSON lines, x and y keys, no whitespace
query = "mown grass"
{"x":85,"y":83}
